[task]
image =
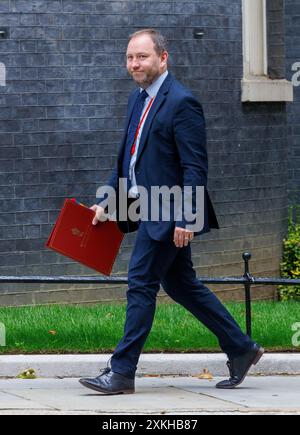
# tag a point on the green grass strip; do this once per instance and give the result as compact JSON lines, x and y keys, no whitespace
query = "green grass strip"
{"x":98,"y":328}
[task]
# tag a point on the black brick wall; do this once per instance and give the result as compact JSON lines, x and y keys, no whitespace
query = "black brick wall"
{"x":61,"y":118}
{"x":276,"y":40}
{"x":293,"y":57}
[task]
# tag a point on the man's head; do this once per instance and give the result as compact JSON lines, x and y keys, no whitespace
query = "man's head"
{"x":147,"y":56}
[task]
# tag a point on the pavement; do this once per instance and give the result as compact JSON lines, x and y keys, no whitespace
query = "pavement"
{"x":154,"y":396}
{"x":166,"y":384}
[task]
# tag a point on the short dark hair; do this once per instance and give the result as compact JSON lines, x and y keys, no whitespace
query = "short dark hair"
{"x":160,"y":42}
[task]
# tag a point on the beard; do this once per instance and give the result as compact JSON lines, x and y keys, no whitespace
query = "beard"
{"x":143,"y":79}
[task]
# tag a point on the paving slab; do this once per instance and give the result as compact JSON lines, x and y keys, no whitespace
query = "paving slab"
{"x":10,"y":400}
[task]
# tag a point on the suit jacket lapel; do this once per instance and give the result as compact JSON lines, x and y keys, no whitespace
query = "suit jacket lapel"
{"x":157,"y":103}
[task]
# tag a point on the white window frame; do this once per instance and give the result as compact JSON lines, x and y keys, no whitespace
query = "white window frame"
{"x":256,"y":85}
{"x":255,"y":38}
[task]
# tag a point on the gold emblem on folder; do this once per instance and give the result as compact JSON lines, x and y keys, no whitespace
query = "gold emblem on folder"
{"x":76,"y":232}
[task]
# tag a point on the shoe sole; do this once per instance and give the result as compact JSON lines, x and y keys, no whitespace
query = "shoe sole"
{"x":255,"y":361}
{"x":104,"y":392}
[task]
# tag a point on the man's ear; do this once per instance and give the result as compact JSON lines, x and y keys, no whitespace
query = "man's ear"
{"x":164,"y":56}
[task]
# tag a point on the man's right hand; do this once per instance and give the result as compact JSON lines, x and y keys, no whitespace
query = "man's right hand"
{"x":100,"y":214}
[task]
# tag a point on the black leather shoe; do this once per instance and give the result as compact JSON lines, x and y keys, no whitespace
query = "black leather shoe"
{"x":239,"y":367}
{"x":110,"y":383}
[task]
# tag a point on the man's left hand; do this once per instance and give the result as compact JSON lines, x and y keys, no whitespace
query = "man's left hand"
{"x":182,"y":237}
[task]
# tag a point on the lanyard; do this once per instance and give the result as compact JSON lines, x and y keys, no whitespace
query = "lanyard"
{"x":139,"y":126}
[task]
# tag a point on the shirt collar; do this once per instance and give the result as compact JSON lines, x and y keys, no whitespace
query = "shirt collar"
{"x":153,"y":89}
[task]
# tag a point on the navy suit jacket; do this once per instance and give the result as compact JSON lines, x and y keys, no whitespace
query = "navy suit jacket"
{"x":172,"y":152}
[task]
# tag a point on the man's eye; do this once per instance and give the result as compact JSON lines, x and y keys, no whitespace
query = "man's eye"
{"x":140,"y":57}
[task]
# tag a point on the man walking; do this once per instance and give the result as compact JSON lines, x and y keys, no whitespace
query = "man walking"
{"x":164,"y":144}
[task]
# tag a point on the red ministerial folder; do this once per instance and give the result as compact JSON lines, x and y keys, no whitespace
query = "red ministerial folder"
{"x":74,"y":236}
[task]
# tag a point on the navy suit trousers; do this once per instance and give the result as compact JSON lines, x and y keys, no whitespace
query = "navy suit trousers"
{"x":160,"y":262}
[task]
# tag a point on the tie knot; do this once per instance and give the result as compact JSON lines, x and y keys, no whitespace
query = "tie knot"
{"x":144,"y":95}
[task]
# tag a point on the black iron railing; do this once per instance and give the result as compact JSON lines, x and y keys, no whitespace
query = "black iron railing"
{"x":248,"y":280}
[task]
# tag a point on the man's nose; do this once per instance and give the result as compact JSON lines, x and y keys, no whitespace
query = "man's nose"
{"x":135,"y":63}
